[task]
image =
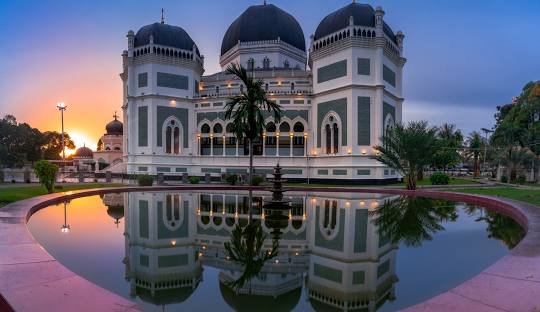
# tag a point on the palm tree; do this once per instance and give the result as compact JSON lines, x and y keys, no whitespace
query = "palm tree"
{"x":246,"y":110}
{"x":411,"y":219}
{"x":475,"y":144}
{"x":450,"y":140}
{"x":246,"y":249}
{"x":408,"y":149}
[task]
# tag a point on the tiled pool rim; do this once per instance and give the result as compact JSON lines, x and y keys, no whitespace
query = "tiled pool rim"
{"x":32,"y":280}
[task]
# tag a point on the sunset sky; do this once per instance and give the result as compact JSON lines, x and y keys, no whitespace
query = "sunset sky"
{"x":464,"y":57}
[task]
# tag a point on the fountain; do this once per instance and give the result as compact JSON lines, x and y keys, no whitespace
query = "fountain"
{"x":276,"y":209}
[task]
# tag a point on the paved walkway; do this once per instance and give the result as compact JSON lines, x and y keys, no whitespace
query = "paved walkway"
{"x":32,"y":280}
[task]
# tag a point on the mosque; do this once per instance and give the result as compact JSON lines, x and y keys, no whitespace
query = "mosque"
{"x":338,"y":94}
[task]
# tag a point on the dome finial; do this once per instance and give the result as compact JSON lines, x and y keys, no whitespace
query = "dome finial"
{"x":162,"y":18}
{"x":264,"y":2}
{"x":115,"y":116}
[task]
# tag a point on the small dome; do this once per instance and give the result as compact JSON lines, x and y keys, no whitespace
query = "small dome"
{"x":116,"y":212}
{"x":115,"y":127}
{"x":363,"y":15}
{"x":167,"y":35}
{"x":84,"y":152}
{"x":244,"y":302}
{"x":264,"y":22}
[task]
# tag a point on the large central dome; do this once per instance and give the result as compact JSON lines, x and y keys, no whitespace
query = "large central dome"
{"x":264,"y":22}
{"x":164,"y":34}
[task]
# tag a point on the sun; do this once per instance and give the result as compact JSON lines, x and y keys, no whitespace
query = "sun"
{"x":80,"y":139}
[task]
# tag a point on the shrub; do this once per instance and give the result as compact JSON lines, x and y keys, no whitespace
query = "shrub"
{"x":504,"y":179}
{"x":145,"y":180}
{"x":194,"y":180}
{"x":439,"y":178}
{"x":256,"y":180}
{"x":521,"y":179}
{"x":46,"y":173}
{"x":13,"y":181}
{"x":231,"y":179}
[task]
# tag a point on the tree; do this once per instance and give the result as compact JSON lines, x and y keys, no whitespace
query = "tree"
{"x":449,"y":141}
{"x":46,"y":173}
{"x":246,"y":112}
{"x":246,"y":249}
{"x":509,"y":137}
{"x":408,"y":149}
{"x":411,"y":219}
{"x":19,"y":142}
{"x":475,"y":148}
{"x":52,"y":144}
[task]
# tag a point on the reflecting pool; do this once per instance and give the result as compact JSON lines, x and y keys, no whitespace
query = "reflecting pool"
{"x":328,"y":252}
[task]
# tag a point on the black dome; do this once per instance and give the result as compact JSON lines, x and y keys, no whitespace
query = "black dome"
{"x":167,"y":35}
{"x":264,"y":22}
{"x":115,"y":127}
{"x":363,"y":15}
{"x":244,"y":302}
{"x":84,"y":152}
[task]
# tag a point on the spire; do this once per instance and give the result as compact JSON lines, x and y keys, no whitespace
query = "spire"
{"x":115,"y":116}
{"x":162,"y":18}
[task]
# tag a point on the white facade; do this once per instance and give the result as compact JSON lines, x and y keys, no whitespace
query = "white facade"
{"x":334,"y":112}
{"x":330,"y":245}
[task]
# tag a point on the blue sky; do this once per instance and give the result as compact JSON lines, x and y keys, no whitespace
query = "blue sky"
{"x":464,"y":57}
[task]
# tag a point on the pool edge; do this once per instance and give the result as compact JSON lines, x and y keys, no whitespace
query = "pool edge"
{"x":511,"y":284}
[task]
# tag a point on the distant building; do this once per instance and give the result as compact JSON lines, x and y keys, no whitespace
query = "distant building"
{"x":335,"y":111}
{"x":110,"y":147}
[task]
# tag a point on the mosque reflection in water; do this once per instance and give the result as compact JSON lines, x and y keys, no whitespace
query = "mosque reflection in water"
{"x":339,"y":248}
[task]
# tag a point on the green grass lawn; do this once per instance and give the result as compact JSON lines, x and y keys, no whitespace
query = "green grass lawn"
{"x":11,"y":194}
{"x":531,"y":196}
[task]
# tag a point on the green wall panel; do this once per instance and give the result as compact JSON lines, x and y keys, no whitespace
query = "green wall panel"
{"x":327,"y":273}
{"x":164,"y":112}
{"x":358,"y":277}
{"x":163,"y":231}
{"x":364,"y":120}
{"x":389,"y":76}
{"x":339,"y":172}
{"x":360,"y":230}
{"x":383,"y":268}
{"x":143,"y":218}
{"x":364,"y":172}
{"x":337,"y":242}
{"x":143,"y":125}
{"x":142,"y":80}
{"x":340,"y":107}
{"x":388,"y":109}
{"x":332,"y":71}
{"x":364,"y":67}
{"x":173,"y":81}
{"x":144,"y":260}
{"x":172,"y":261}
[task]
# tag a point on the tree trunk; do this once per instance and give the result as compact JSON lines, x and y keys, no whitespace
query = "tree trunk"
{"x":411,"y":181}
{"x":250,"y":201}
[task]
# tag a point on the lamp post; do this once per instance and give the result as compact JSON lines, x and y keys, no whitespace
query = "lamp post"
{"x":62,"y":107}
{"x":486,"y":131}
{"x":65,"y":227}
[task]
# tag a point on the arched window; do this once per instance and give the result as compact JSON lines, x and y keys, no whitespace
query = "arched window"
{"x":266,"y":87}
{"x":172,"y":137}
{"x":298,"y":127}
{"x":298,"y":139}
{"x":217,"y":90}
{"x":286,"y":64}
{"x":328,"y":222}
{"x":205,"y":128}
{"x":266,"y":63}
{"x":230,"y":141}
{"x":284,"y":127}
{"x":251,"y":64}
{"x":388,"y":123}
{"x":292,"y":86}
{"x":172,"y":217}
{"x":270,"y":127}
{"x":336,"y":138}
{"x":218,"y":139}
{"x":218,"y":128}
{"x":328,"y":135}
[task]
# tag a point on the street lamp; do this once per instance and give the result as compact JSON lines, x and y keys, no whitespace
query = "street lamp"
{"x":486,"y":131}
{"x":62,"y":107}
{"x":65,"y":227}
